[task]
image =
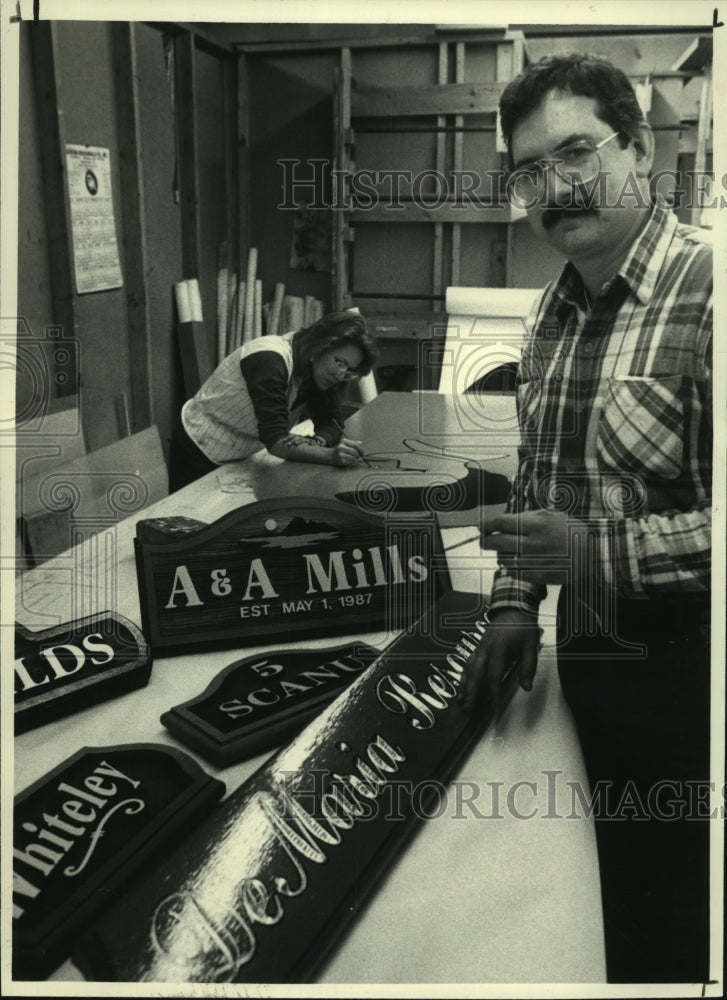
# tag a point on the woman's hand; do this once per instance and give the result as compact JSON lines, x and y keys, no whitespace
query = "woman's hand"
{"x":297,"y":448}
{"x":346,"y":453}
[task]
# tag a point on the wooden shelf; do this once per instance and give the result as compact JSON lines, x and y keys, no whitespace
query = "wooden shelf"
{"x":697,"y":57}
{"x":424,"y":130}
{"x":417,"y":212}
{"x":438,"y":99}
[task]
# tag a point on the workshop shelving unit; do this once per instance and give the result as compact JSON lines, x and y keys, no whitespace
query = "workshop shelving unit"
{"x":428,"y":159}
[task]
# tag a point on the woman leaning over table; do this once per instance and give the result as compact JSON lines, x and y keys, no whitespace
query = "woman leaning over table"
{"x":261,"y":390}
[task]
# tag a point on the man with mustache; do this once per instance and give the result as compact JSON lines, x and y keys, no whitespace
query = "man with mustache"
{"x":612,"y":502}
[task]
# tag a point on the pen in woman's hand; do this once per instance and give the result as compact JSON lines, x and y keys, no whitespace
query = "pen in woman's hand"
{"x":359,"y":450}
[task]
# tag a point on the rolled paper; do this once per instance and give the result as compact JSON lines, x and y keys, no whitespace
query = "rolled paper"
{"x":232,"y":308}
{"x":308,"y":310}
{"x":248,"y":329}
{"x":258,"y":328}
{"x":367,"y":388}
{"x":317,"y":310}
{"x":489,"y":302}
{"x":267,"y":884}
{"x":239,"y":316}
{"x":293,"y":313}
{"x":122,"y":415}
{"x":485,"y":329}
{"x":182,"y":298}
{"x":276,"y":309}
{"x":232,"y":324}
{"x":231,"y":285}
{"x":195,"y":300}
{"x":222,"y":283}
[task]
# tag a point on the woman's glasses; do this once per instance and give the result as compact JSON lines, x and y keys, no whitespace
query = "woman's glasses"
{"x":578,"y":163}
{"x":342,"y":370}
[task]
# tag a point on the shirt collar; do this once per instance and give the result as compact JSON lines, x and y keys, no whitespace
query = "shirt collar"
{"x":643,"y":263}
{"x":641,"y":268}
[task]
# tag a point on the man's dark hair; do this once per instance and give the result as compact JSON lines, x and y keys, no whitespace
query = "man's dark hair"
{"x":580,"y":74}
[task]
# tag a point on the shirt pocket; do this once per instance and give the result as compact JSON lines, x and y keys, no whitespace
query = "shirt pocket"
{"x":641,"y":427}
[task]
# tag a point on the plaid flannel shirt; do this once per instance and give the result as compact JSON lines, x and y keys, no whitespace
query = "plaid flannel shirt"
{"x":615,"y":415}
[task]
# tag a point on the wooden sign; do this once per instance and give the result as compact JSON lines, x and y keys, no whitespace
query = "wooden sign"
{"x":84,"y":830}
{"x":255,"y":703}
{"x":261,"y":890}
{"x":300,"y":567}
{"x":68,"y":667}
{"x":421,"y":481}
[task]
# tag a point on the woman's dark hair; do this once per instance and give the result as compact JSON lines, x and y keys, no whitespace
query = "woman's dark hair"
{"x":333,"y":329}
{"x":580,"y":74}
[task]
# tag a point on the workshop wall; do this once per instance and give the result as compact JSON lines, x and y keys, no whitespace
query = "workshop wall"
{"x":82,"y":74}
{"x":286,"y":99}
{"x":290,"y":118}
{"x":86,"y":88}
{"x":35,"y":308}
{"x":163,"y":226}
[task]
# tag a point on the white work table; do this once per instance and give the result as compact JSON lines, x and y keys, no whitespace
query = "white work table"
{"x":481,"y":894}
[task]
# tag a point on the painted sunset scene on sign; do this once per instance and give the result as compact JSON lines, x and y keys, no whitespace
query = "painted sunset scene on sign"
{"x":297,"y":532}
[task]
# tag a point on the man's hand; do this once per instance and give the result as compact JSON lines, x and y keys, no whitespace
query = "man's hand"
{"x":513,"y":637}
{"x":536,"y":544}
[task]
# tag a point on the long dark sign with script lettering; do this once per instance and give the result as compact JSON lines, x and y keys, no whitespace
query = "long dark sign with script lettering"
{"x":82,"y":831}
{"x":261,"y":890}
{"x":68,"y":667}
{"x":304,"y":567}
{"x":255,"y":703}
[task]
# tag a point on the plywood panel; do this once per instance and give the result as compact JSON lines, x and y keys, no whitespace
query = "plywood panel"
{"x":163,"y":226}
{"x":210,"y":118}
{"x":34,"y":280}
{"x":52,"y":440}
{"x":385,"y":150}
{"x":453,"y":98}
{"x":479,"y":154}
{"x":93,"y":492}
{"x":635,"y":54}
{"x":134,"y":243}
{"x":291,"y":117}
{"x":393,"y":258}
{"x":532,"y":266}
{"x":396,"y":66}
{"x":481,"y":62}
{"x":480,"y":250}
{"x":85,"y":69}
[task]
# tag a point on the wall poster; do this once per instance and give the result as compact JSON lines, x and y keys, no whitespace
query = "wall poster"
{"x":95,"y":251}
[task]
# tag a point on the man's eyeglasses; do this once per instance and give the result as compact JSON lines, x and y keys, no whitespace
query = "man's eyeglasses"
{"x":344,"y":373}
{"x":578,"y":163}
